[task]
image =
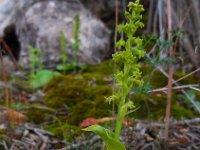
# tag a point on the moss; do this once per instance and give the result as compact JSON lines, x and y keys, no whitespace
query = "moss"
{"x":192,"y":79}
{"x":105,"y":68}
{"x":158,"y":80}
{"x":80,"y":111}
{"x":64,"y":130}
{"x":64,"y":89}
{"x":83,"y":93}
{"x":35,"y":115}
{"x":152,"y":106}
{"x":149,"y":106}
{"x":180,"y":112}
{"x":3,"y":132}
{"x":38,"y":115}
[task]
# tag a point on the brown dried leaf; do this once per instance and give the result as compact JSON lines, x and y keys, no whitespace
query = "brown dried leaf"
{"x":14,"y":117}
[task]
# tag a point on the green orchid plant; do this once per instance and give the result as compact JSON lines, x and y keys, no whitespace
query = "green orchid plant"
{"x":76,"y":44}
{"x":38,"y":75}
{"x":74,"y":65}
{"x":127,"y":77}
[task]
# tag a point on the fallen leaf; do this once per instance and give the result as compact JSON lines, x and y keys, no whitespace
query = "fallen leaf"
{"x":88,"y":122}
{"x":14,"y":117}
{"x":183,"y":140}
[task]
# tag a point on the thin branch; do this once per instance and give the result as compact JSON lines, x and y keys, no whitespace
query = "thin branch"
{"x":171,"y":71}
{"x":192,"y":86}
{"x":150,"y":16}
{"x":186,"y":75}
{"x":5,"y":79}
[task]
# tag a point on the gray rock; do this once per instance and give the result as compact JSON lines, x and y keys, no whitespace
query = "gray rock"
{"x":39,"y":23}
{"x":6,"y":14}
{"x":11,"y":11}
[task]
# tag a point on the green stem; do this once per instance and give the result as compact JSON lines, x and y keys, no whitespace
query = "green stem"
{"x":118,"y":125}
{"x":120,"y":114}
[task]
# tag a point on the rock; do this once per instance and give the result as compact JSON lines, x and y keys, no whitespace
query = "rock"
{"x":6,"y":14}
{"x":39,"y":23}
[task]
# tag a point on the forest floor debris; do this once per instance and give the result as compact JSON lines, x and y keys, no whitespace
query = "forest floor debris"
{"x":143,"y":135}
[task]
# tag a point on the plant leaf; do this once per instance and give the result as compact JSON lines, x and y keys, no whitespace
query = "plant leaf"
{"x":108,"y":137}
{"x":65,"y":67}
{"x":42,"y":77}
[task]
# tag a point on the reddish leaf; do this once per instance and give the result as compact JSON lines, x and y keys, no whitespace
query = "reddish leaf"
{"x":88,"y":122}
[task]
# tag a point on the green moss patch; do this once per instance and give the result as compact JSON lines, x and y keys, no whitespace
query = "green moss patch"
{"x":84,"y":94}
